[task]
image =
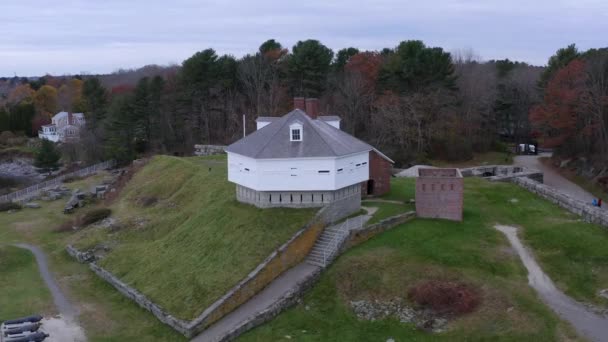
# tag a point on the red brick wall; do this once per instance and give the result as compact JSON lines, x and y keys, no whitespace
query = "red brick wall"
{"x":380,"y":173}
{"x":439,"y":198}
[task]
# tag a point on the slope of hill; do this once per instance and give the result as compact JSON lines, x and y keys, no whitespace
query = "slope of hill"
{"x":182,"y":238}
{"x":385,"y":269}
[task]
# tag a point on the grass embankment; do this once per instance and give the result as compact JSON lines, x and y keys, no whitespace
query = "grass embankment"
{"x":105,"y":314}
{"x":581,"y":181}
{"x":22,"y":290}
{"x":570,"y":251}
{"x":487,"y":158}
{"x":185,"y":240}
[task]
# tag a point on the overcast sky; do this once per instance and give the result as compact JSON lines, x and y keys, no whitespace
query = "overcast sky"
{"x":99,"y":36}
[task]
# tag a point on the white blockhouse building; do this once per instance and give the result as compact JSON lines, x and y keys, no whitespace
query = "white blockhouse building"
{"x":65,"y":126}
{"x":299,"y":160}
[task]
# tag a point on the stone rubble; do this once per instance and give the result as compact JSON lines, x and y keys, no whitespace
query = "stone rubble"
{"x":376,"y":310}
{"x":32,"y":205}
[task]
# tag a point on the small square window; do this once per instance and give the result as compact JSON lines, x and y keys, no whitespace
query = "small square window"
{"x":296,"y":134}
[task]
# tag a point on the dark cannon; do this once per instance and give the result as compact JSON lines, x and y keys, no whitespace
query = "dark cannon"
{"x":28,"y":319}
{"x":32,"y":327}
{"x":35,"y":337}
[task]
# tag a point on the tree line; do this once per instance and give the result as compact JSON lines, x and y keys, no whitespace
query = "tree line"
{"x":412,"y":101}
{"x":573,"y":114}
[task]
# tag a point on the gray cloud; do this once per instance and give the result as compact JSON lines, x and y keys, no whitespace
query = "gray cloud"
{"x":72,"y":36}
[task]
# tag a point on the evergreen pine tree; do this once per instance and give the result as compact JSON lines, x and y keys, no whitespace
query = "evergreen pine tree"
{"x":47,"y":157}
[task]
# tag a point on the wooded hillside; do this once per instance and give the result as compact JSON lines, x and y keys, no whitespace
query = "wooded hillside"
{"x":412,"y":101}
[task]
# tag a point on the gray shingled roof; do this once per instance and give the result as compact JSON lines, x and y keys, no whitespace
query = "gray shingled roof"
{"x":319,"y":139}
{"x":266,"y":118}
{"x":329,"y":118}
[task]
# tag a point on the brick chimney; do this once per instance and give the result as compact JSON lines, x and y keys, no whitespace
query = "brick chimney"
{"x":312,"y":107}
{"x":70,"y":119}
{"x":299,"y":103}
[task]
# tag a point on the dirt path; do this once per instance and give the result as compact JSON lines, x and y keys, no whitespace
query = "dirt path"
{"x":64,"y":327}
{"x":553,"y":178}
{"x":588,"y":324}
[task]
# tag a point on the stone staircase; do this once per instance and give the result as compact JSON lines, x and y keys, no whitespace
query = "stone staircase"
{"x":326,"y":248}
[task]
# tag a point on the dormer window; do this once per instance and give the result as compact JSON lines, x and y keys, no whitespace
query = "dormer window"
{"x":295,"y":132}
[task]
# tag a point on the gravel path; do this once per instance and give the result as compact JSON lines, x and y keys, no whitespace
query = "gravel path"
{"x":63,"y":305}
{"x":553,"y":178}
{"x":588,"y":324}
{"x":64,"y":327}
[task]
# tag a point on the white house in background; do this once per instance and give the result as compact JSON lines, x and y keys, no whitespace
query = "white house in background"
{"x":302,"y":160}
{"x":64,"y":126}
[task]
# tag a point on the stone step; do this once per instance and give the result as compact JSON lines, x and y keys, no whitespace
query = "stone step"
{"x":314,"y":262}
{"x":318,"y":254}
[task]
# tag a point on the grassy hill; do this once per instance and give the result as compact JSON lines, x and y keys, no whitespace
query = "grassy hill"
{"x":183,"y":239}
{"x":571,"y":252}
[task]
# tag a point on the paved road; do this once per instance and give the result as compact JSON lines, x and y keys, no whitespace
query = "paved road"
{"x":63,"y":305}
{"x":588,"y":324}
{"x":554,"y":179}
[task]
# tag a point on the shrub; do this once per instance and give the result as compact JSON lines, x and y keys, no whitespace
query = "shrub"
{"x":93,"y":216}
{"x":445,"y":297}
{"x":65,"y":227}
{"x":147,"y":201}
{"x":90,"y":217}
{"x":70,"y":179}
{"x":6,"y":206}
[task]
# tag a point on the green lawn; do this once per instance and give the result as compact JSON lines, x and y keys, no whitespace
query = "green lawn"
{"x":196,"y":241}
{"x":573,"y":253}
{"x":23,"y":292}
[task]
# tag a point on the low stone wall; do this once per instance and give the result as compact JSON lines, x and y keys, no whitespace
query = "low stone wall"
{"x":588,"y":212}
{"x":358,"y":236}
{"x":208,"y":150}
{"x":502,"y":173}
{"x":81,"y":257}
{"x":285,"y":257}
{"x":141,"y":300}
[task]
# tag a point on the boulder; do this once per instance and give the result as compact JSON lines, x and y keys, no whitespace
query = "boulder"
{"x":32,"y":205}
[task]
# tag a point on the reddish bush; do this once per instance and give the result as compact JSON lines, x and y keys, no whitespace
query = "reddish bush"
{"x":445,"y":297}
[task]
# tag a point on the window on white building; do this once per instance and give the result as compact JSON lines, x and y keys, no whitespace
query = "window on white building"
{"x":295,"y":132}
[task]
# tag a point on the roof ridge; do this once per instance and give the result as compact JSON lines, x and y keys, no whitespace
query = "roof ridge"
{"x":272,"y":136}
{"x":321,"y":136}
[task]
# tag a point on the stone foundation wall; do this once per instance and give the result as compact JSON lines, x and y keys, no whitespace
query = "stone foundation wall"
{"x":294,"y":199}
{"x":502,"y":173}
{"x":588,"y":212}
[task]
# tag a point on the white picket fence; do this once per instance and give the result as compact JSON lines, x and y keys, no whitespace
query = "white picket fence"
{"x":34,"y":190}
